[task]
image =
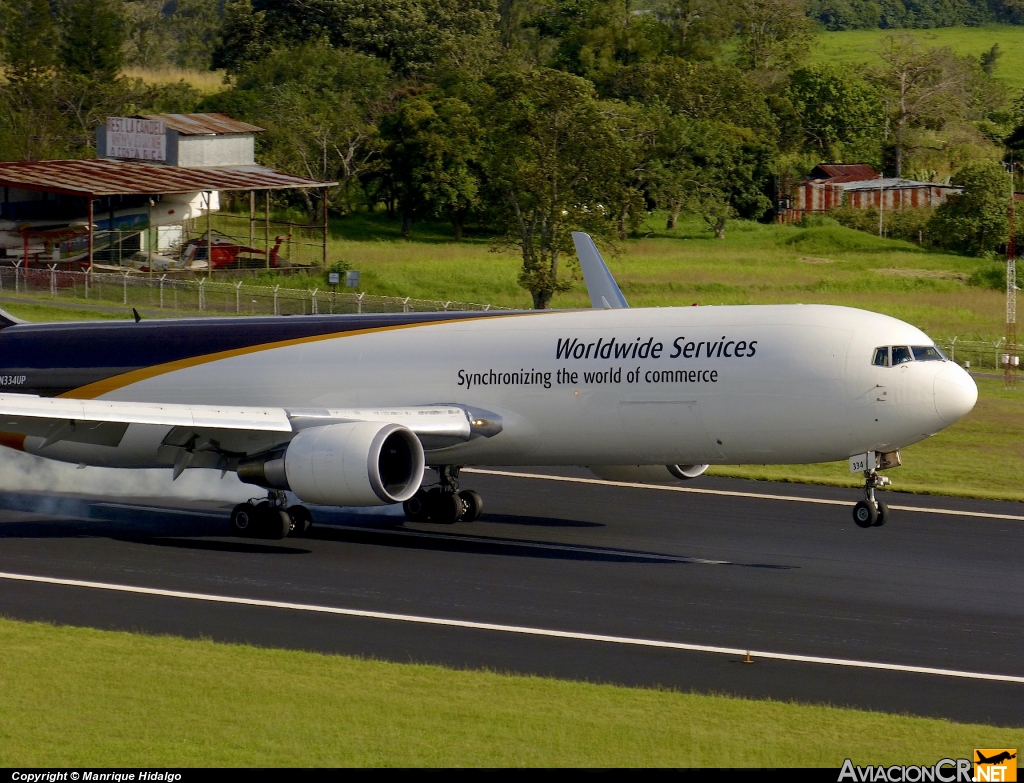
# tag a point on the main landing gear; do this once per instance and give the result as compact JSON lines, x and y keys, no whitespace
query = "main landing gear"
{"x":444,"y":504}
{"x":270,"y":518}
{"x":871,"y":512}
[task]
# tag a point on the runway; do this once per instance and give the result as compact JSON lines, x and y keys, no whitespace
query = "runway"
{"x":575,"y":579}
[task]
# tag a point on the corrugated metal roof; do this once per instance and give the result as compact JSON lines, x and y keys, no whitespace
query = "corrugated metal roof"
{"x":892,"y":183}
{"x":122,"y":178}
{"x":843,"y":172}
{"x":203,"y":124}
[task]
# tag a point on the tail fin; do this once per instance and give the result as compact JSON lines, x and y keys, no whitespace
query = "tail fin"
{"x":6,"y":319}
{"x":604,"y":291}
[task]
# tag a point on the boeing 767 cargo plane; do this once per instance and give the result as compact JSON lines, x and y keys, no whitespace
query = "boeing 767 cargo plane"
{"x":349,"y":410}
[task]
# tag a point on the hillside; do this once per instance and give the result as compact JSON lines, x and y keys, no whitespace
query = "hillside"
{"x":852,"y":47}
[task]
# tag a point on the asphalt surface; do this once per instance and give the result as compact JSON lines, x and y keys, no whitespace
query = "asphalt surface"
{"x":927,"y":590}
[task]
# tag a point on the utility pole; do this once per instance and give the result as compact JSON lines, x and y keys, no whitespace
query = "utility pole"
{"x":1011,"y":289}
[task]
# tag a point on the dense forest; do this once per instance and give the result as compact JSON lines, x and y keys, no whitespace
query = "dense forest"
{"x":526,"y":119}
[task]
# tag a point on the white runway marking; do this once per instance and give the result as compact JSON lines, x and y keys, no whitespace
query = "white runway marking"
{"x":516,"y":629}
{"x":735,"y":494}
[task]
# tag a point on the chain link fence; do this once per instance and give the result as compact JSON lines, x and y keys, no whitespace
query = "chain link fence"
{"x":975,"y":354}
{"x":197,"y":296}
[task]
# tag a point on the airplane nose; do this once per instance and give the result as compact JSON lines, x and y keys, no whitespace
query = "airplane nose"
{"x":955,"y":393}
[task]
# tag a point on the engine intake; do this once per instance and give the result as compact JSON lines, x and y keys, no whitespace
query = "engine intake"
{"x":366,"y":463}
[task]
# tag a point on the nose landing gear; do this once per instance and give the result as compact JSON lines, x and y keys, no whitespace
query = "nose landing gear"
{"x":871,"y":512}
{"x":270,"y":518}
{"x":444,"y":504}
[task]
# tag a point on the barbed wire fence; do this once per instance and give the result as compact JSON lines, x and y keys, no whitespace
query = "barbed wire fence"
{"x":205,"y":296}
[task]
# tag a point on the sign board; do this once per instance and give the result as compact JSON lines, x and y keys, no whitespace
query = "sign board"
{"x":333,"y":278}
{"x":352,"y":278}
{"x":135,"y":139}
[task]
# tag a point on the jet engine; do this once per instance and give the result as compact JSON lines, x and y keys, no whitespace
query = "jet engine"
{"x":648,"y":474}
{"x":362,"y":463}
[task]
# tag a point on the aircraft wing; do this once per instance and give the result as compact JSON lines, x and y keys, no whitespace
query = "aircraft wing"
{"x":223,"y":431}
{"x":604,"y":291}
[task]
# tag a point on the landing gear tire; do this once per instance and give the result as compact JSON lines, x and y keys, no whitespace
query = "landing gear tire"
{"x":243,"y":517}
{"x":883,"y":514}
{"x":415,"y":508}
{"x":301,"y":520}
{"x":445,"y":508}
{"x":474,"y":505}
{"x":865,"y":514}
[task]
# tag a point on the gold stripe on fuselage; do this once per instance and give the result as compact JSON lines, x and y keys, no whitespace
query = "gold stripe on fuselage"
{"x":98,"y":388}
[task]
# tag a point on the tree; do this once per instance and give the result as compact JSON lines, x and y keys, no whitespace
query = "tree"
{"x":30,"y":38}
{"x":431,"y":150}
{"x":841,"y":117}
{"x":921,"y":86}
{"x":699,"y":27}
{"x":774,"y":35}
{"x":243,"y":37}
{"x":975,"y":220}
{"x":93,"y":39}
{"x":319,"y":106}
{"x":415,"y":36}
{"x":550,"y":152}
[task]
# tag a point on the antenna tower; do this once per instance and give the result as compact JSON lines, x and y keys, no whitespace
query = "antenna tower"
{"x":1011,"y":290}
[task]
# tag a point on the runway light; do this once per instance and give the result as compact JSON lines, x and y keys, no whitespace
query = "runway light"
{"x":748,"y":659}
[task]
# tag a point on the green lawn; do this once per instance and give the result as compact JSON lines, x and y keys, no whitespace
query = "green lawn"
{"x":854,"y":47}
{"x":82,"y":697}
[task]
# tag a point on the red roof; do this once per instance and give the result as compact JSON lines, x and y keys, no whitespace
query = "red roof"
{"x":843,"y":172}
{"x":202,"y":124}
{"x":99,"y":177}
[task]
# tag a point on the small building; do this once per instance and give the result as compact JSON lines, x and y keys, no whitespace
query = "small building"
{"x":859,"y":186}
{"x":154,"y":174}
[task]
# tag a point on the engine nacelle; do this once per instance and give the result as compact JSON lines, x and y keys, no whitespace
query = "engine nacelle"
{"x":648,"y":474}
{"x":363,"y":463}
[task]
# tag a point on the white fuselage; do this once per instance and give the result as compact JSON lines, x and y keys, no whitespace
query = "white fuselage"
{"x":782,"y":384}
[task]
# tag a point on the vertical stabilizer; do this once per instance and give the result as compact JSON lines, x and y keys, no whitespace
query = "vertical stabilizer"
{"x":604,"y":291}
{"x":6,"y":319}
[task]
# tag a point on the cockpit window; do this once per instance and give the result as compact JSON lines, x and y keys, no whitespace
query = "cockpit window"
{"x":881,"y":357}
{"x":926,"y":353}
{"x":901,"y":354}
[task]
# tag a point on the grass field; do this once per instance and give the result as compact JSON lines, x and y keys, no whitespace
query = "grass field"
{"x":754,"y":264}
{"x":82,"y":697}
{"x":206,"y":82}
{"x":854,"y":47}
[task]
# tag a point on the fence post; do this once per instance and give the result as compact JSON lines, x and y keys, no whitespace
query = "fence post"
{"x":486,"y":308}
{"x":53,"y":280}
{"x":125,"y":284}
{"x":952,"y":349}
{"x":446,"y":304}
{"x":162,"y":278}
{"x":359,"y":302}
{"x":88,"y":275}
{"x":238,"y":297}
{"x":405,"y":304}
{"x":312,"y":295}
{"x":17,"y":266}
{"x":275,"y":299}
{"x":202,"y":293}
